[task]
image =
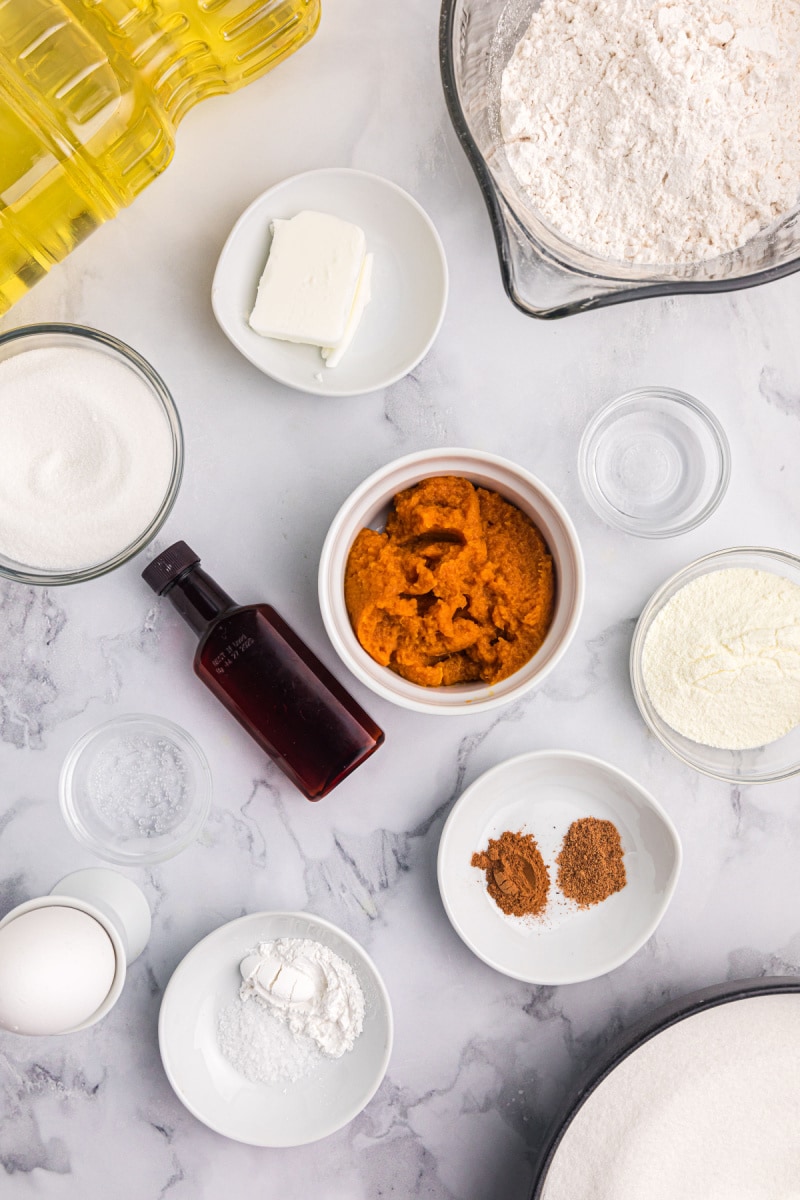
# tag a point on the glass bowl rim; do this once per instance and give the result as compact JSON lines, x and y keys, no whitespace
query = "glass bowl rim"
{"x":200,"y":807}
{"x":646,"y":617}
{"x":503,"y":221}
{"x":106,"y":342}
{"x":606,"y":511}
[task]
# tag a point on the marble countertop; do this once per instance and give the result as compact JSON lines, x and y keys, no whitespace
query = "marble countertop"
{"x":479,"y":1060}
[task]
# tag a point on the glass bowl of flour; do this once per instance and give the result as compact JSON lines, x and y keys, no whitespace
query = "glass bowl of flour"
{"x":92,"y":453}
{"x":715,"y":665}
{"x":623,"y":156}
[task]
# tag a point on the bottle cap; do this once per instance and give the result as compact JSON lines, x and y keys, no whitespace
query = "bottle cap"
{"x":165,"y":569}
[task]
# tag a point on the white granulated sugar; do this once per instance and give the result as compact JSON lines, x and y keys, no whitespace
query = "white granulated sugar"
{"x":721,"y":661}
{"x":707,"y":1110}
{"x":86,"y":457}
{"x":261,"y":1047}
{"x":657,"y":131}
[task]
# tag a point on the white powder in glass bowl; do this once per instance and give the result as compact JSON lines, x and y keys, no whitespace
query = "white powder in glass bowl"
{"x":86,"y":460}
{"x":721,"y":660}
{"x":657,"y":131}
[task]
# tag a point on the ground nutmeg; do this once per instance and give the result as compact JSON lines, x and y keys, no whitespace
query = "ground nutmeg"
{"x":516,"y":876}
{"x":590,"y":865}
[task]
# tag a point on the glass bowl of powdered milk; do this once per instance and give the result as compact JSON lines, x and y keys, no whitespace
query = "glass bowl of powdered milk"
{"x":92,"y":453}
{"x":715,"y":664}
{"x":621,"y":149}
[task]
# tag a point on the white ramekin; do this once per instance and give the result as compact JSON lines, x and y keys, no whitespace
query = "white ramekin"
{"x":368,"y":506}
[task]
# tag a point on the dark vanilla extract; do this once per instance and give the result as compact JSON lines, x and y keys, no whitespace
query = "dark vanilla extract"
{"x":258,"y":667}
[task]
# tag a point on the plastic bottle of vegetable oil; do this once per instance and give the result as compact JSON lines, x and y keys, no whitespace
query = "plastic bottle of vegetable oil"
{"x":91,"y":92}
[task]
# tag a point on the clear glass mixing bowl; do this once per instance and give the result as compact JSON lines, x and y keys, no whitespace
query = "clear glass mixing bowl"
{"x":544,"y":274}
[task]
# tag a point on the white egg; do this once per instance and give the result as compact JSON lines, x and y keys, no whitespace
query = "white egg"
{"x":57,"y":965}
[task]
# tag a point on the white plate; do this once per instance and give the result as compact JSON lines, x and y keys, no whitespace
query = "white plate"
{"x":409,"y":282}
{"x":543,"y":793}
{"x":261,"y":1114}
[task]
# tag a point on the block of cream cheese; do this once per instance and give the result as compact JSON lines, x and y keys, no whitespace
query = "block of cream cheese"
{"x":333,"y":354}
{"x":308,"y":289}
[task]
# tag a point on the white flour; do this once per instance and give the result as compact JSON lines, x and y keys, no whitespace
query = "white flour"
{"x":721,"y":662}
{"x":657,"y":131}
{"x":705,"y":1111}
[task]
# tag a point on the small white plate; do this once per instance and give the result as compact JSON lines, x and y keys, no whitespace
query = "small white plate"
{"x":282,"y":1114}
{"x":409,"y":282}
{"x":542,"y":794}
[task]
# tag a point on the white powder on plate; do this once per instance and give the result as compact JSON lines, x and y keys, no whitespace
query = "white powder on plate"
{"x":310,"y":988}
{"x":721,"y":661}
{"x":86,"y":457}
{"x":657,"y":131}
{"x":261,"y":1047}
{"x":707,"y":1110}
{"x":299,"y":1003}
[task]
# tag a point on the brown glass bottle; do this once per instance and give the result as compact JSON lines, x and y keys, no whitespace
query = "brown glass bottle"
{"x":268,"y":678}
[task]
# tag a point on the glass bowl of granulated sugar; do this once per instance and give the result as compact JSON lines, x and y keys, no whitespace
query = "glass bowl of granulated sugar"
{"x":715,"y":665}
{"x":92,"y":453}
{"x":605,"y":177}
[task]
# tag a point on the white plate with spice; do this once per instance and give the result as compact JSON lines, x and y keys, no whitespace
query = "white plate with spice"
{"x":330,"y":1095}
{"x":542,"y":794}
{"x":409,"y":282}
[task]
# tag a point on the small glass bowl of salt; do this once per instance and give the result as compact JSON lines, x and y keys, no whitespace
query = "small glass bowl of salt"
{"x":135,"y":790}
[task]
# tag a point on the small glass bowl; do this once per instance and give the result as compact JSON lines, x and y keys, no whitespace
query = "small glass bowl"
{"x":765,"y":764}
{"x":654,"y":462}
{"x":135,"y":790}
{"x":48,"y":336}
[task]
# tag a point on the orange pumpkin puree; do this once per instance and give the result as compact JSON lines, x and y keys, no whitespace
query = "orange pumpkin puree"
{"x":459,"y":588}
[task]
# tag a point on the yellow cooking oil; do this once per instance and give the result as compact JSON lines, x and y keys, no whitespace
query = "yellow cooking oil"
{"x":91,"y":92}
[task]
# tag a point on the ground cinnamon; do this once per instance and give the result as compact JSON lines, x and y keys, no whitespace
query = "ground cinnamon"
{"x":590,"y":865}
{"x":516,"y":876}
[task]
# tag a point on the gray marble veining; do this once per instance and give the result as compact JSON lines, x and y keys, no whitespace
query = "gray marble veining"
{"x":480,"y":1061}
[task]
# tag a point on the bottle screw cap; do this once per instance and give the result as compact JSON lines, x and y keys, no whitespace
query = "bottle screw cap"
{"x":166,"y":568}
